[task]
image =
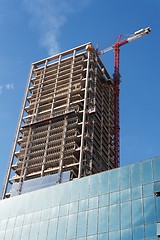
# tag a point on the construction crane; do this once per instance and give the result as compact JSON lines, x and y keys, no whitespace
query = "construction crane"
{"x":116,"y":78}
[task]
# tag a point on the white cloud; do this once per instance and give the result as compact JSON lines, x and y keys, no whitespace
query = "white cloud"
{"x":48,"y":17}
{"x":9,"y":86}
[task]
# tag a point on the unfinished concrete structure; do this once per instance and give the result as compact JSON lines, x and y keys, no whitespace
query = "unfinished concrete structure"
{"x":67,"y":120}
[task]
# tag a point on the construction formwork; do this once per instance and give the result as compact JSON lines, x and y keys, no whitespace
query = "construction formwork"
{"x":67,"y":119}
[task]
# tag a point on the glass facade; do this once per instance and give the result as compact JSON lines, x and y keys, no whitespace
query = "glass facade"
{"x":116,"y":204}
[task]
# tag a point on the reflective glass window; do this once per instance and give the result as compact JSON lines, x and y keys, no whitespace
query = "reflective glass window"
{"x":113,"y":221}
{"x":126,"y":234}
{"x":25,"y":232}
{"x":27,"y":218}
{"x":3,"y":224}
{"x":114,"y":198}
{"x":148,"y":190}
{"x":138,"y":233}
{"x":43,"y":228}
{"x":84,"y":187}
{"x":45,"y":214}
{"x":61,"y":230}
{"x":52,"y":198}
{"x":72,"y":224}
{"x":135,"y":175}
{"x":93,"y":202}
{"x":2,"y":234}
{"x":8,"y":234}
{"x":103,"y":220}
{"x":150,"y":231}
{"x":103,"y":183}
{"x":63,"y":210}
{"x":92,"y":222}
{"x":92,"y":237}
{"x":14,"y":207}
{"x":94,"y":184}
{"x":124,"y":177}
{"x":149,"y":210}
{"x":16,"y":233}
{"x":125,"y":195}
{"x":81,"y":225}
{"x":73,"y":207}
{"x":74,"y":193}
{"x":156,"y":169}
{"x":36,"y":200}
{"x":5,"y":208}
{"x":52,"y":229}
{"x":113,"y":180}
{"x":136,"y":192}
{"x":137,"y":212}
{"x":158,"y":208}
{"x":34,"y":231}
{"x":103,"y":200}
{"x":36,"y":216}
{"x":48,"y":197}
{"x":83,"y":205}
{"x":65,"y":193}
{"x":11,"y":222}
{"x":114,"y":235}
{"x":54,"y":212}
{"x":125,"y":215}
{"x":146,"y":172}
{"x":103,"y":236}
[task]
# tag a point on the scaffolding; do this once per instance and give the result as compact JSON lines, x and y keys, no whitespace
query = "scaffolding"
{"x":67,"y":120}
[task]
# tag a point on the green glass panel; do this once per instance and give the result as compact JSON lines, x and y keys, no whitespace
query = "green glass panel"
{"x":125,"y":215}
{"x":103,"y":220}
{"x":147,"y":172}
{"x":137,"y":212}
{"x":83,"y":205}
{"x":82,"y":224}
{"x":25,"y":232}
{"x":135,"y":175}
{"x":54,"y":212}
{"x":138,"y":233}
{"x":73,"y":207}
{"x":150,"y":231}
{"x":63,"y":210}
{"x":114,"y":221}
{"x":36,"y":216}
{"x":34,"y":231}
{"x":136,"y":192}
{"x":124,"y":177}
{"x":92,"y":222}
{"x":94,"y":184}
{"x":93,"y":202}
{"x":156,"y":169}
{"x":61,"y":230}
{"x":52,"y":229}
{"x":72,"y":224}
{"x":103,"y":183}
{"x":149,"y":210}
{"x":17,"y":233}
{"x":103,"y":200}
{"x":43,"y":228}
{"x":45,"y":214}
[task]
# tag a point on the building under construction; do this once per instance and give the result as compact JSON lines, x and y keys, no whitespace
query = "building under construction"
{"x":66,"y":127}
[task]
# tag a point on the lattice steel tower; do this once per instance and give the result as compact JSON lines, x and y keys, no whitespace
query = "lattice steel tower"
{"x":67,"y":120}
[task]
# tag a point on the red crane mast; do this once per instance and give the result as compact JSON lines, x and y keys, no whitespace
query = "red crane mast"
{"x":116,"y":78}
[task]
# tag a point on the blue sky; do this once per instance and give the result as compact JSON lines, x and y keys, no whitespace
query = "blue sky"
{"x":34,"y":29}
